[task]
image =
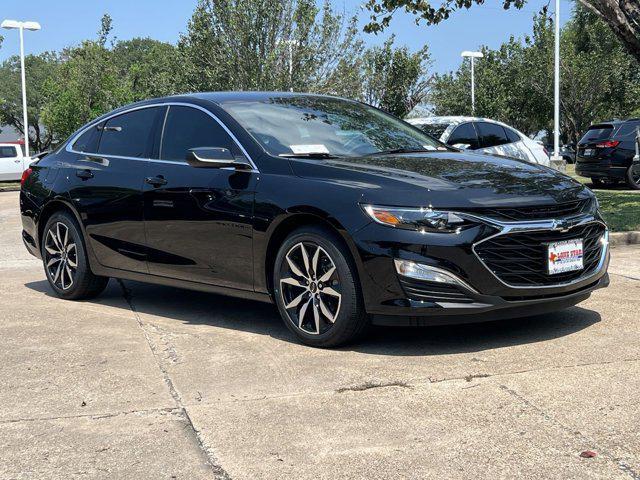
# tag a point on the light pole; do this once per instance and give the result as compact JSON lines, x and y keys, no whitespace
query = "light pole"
{"x":556,"y":160}
{"x":22,"y":26}
{"x":472,"y":56}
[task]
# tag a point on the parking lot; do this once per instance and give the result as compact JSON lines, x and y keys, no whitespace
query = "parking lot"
{"x":155,"y":382}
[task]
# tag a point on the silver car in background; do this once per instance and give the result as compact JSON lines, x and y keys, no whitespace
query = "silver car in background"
{"x":484,"y":136}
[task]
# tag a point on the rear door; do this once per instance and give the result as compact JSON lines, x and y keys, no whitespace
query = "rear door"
{"x":198,"y":220}
{"x":107,"y":176}
{"x":10,"y":162}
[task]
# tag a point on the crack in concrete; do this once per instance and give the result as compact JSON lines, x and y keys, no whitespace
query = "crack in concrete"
{"x":625,"y":276}
{"x":96,"y":416}
{"x":206,"y":451}
{"x":621,"y":464}
{"x":370,"y":385}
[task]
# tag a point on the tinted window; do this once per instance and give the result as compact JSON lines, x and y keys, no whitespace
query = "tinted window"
{"x":597,"y":133}
{"x":128,"y":135}
{"x":188,"y":128}
{"x":512,"y":135}
{"x":491,"y":135}
{"x":8,"y":152}
{"x":88,"y":141}
{"x":434,"y":129}
{"x":464,"y":134}
{"x":628,"y":129}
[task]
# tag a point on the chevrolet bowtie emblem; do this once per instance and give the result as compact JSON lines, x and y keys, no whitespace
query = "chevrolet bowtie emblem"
{"x":560,"y":225}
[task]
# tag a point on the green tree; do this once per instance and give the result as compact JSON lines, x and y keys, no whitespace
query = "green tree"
{"x":149,"y":68}
{"x":394,"y":79}
{"x":86,"y":85}
{"x":515,"y":82}
{"x":622,"y":16}
{"x":270,"y":45}
{"x":38,"y":70}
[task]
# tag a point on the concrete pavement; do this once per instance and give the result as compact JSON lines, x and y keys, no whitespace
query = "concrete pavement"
{"x":155,"y":382}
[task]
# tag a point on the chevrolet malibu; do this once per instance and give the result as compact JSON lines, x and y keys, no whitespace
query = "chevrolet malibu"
{"x":336,"y":212}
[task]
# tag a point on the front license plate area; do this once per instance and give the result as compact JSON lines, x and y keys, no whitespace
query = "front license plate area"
{"x":565,"y":256}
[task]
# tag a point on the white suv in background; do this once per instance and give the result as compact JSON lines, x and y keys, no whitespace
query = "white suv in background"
{"x":12,"y":161}
{"x":484,"y":136}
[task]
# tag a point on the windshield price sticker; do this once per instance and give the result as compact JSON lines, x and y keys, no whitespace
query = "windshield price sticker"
{"x":319,"y":148}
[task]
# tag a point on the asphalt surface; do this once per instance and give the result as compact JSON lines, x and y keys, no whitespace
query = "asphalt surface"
{"x":155,"y":382}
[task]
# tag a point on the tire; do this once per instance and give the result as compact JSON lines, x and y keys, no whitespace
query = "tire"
{"x":633,"y":181}
{"x":64,"y":257}
{"x":323,"y":307}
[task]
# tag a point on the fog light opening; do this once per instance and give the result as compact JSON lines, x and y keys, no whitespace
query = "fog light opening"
{"x":427,"y":273}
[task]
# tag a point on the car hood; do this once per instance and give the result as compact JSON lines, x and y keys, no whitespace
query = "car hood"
{"x":451,"y":179}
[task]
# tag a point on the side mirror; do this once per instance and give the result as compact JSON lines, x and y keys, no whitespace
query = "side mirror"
{"x":462,"y":146}
{"x":213,"y":157}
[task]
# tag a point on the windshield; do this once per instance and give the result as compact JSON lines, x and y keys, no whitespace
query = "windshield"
{"x":305,"y":125}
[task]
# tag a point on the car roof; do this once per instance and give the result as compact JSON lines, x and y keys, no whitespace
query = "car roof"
{"x":454,"y":119}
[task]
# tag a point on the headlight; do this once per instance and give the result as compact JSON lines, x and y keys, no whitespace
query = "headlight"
{"x":419,"y":219}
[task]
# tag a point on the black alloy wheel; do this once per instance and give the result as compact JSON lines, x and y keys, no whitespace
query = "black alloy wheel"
{"x":65,"y":259}
{"x":316,"y":290}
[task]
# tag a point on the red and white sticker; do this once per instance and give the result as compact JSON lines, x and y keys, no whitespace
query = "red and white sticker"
{"x":565,"y":256}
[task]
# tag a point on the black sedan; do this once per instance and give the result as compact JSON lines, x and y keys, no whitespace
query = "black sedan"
{"x":339,"y":213}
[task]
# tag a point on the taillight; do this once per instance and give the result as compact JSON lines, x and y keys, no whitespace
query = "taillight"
{"x":608,"y":144}
{"x":25,"y":175}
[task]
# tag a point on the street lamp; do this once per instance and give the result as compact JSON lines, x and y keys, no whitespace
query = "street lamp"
{"x":556,"y":160}
{"x":21,"y":27}
{"x":472,"y":56}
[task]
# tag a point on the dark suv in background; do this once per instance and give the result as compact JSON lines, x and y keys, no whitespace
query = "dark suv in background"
{"x":606,"y":153}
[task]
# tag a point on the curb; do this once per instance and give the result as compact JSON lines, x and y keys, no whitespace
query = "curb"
{"x":12,"y":188}
{"x":624,"y":238}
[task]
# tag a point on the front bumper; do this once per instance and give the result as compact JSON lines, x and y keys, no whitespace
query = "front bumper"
{"x":388,"y":296}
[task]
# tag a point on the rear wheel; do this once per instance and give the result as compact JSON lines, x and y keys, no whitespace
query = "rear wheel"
{"x":633,"y":178}
{"x":316,"y":288}
{"x":65,"y":260}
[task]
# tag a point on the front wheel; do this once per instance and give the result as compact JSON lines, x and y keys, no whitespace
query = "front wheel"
{"x":633,"y":177}
{"x":65,"y":260}
{"x":316,"y":288}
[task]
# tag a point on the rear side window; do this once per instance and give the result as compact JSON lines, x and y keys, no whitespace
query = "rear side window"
{"x":187,"y":128}
{"x":8,"y":152}
{"x":434,"y":129}
{"x":464,"y":134}
{"x":129,"y":134}
{"x":628,"y":130}
{"x":597,"y":133}
{"x":491,"y":134}
{"x":88,"y":141}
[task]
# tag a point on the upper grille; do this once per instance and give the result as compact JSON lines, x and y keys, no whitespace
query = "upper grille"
{"x":433,"y":291}
{"x":536,"y":212}
{"x":520,"y":259}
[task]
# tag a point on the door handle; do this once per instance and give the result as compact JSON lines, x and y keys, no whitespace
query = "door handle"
{"x":84,"y":174}
{"x":156,"y":181}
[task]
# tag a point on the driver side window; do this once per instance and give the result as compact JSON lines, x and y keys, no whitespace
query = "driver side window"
{"x":186,"y":128}
{"x":464,"y":134}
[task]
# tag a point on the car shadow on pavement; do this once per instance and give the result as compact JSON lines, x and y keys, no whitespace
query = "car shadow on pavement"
{"x":199,"y":308}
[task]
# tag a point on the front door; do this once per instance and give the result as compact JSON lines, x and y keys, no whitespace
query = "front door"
{"x":198,"y":220}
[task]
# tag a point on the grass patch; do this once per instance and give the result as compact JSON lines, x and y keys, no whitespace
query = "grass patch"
{"x":4,"y":185}
{"x":620,"y":206}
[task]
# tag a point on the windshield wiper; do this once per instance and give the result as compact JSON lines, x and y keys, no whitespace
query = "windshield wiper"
{"x":309,"y":155}
{"x":401,"y":150}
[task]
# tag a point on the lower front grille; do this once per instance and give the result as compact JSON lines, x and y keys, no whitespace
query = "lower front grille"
{"x":434,"y":292}
{"x":520,"y":259}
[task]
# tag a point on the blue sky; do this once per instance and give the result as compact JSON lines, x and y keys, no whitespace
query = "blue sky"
{"x":67,"y":22}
